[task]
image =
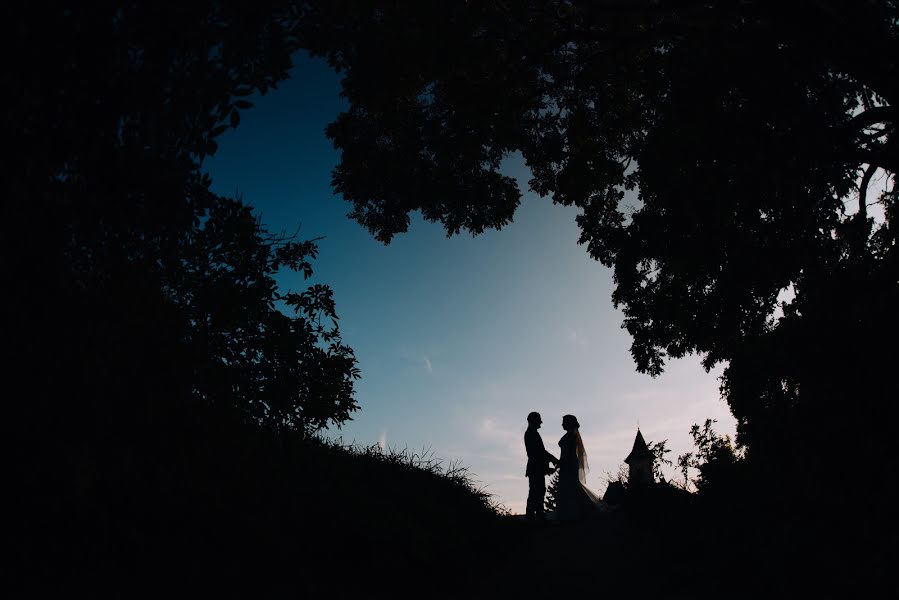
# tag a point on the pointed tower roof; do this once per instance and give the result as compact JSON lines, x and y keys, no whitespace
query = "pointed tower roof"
{"x":640,"y":450}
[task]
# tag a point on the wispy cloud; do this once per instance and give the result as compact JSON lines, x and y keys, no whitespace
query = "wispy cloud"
{"x":419,"y":358}
{"x":576,"y":336}
{"x":496,"y":439}
{"x":382,"y":440}
{"x":488,"y":428}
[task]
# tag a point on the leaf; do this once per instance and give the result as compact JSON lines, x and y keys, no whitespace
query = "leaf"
{"x":235,"y":118}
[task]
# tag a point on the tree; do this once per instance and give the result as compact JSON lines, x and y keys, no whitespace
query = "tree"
{"x":714,"y":456}
{"x":749,"y":133}
{"x":549,"y":503}
{"x":659,"y":451}
{"x":158,"y":384}
{"x":621,"y":476}
{"x":144,"y":290}
{"x":280,"y":371}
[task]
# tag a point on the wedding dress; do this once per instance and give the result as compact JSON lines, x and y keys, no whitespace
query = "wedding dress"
{"x":574,"y":500}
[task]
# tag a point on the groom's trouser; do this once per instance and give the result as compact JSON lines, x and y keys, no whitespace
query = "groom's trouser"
{"x":536,"y":492}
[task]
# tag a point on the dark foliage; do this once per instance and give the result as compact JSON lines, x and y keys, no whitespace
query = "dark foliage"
{"x":659,"y":451}
{"x":715,"y":458}
{"x":145,"y":283}
{"x":744,"y":137}
{"x":750,"y":132}
{"x":549,"y":503}
{"x":615,"y":494}
{"x":159,"y":405}
{"x":154,"y":363}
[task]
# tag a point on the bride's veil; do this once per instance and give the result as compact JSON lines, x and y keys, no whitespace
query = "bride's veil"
{"x":583,"y":467}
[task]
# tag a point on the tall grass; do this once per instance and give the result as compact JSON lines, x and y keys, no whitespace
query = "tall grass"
{"x":231,"y":506}
{"x":424,"y":466}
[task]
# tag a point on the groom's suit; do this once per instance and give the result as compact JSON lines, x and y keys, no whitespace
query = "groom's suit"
{"x":538,"y":457}
{"x":538,"y":466}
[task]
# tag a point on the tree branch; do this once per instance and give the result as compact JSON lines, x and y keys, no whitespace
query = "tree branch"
{"x":863,"y":192}
{"x":872,"y":116}
{"x":886,"y":161}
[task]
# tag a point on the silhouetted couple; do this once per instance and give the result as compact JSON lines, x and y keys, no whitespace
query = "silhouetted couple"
{"x":573,"y":500}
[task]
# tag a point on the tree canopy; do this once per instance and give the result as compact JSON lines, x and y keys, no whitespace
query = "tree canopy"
{"x":131,"y":282}
{"x":750,"y":133}
{"x":139,"y":306}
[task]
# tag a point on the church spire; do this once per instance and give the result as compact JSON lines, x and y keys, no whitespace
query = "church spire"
{"x":640,"y":449}
{"x":640,"y":462}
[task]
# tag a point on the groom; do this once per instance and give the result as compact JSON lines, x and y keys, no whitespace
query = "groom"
{"x":538,"y":467}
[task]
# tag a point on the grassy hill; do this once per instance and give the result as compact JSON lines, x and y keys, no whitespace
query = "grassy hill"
{"x":222,"y":507}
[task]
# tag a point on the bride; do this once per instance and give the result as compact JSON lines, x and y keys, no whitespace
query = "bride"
{"x":574,"y":500}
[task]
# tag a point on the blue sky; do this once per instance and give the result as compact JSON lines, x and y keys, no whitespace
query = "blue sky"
{"x":458,"y":339}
